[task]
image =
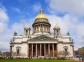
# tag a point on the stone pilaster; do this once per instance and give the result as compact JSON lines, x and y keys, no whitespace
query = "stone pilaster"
{"x":28,"y":51}
{"x":53,"y":49}
{"x":49,"y":50}
{"x":40,"y":49}
{"x":10,"y":51}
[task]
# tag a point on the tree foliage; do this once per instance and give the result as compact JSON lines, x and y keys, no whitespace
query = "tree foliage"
{"x":81,"y":51}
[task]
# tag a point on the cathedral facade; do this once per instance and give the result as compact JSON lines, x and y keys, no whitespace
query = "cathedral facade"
{"x":41,"y":43}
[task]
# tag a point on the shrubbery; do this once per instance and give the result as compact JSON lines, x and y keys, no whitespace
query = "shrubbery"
{"x":61,"y":58}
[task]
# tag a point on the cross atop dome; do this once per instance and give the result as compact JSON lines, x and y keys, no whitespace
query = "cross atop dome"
{"x":41,"y":15}
{"x":41,"y":11}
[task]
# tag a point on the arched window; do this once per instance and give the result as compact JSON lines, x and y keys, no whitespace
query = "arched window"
{"x":65,"y":48}
{"x":66,"y":52}
{"x":18,"y":50}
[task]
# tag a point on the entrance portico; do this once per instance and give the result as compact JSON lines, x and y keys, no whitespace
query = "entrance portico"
{"x":45,"y":50}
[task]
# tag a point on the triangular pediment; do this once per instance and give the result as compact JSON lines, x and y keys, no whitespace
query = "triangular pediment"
{"x":42,"y":38}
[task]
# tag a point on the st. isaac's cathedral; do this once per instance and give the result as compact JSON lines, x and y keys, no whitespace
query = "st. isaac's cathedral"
{"x":41,"y":43}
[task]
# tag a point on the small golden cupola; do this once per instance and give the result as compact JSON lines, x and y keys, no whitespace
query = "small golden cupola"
{"x":41,"y":23}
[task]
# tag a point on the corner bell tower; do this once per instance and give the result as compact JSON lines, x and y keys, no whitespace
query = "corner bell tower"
{"x":27,"y":31}
{"x":41,"y":24}
{"x":56,"y":31}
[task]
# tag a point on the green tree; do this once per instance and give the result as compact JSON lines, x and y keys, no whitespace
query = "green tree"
{"x":81,"y":51}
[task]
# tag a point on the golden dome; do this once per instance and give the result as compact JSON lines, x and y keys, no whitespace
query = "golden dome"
{"x":41,"y":15}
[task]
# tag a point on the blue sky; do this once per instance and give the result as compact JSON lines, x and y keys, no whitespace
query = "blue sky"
{"x":68,"y":14}
{"x":17,"y":9}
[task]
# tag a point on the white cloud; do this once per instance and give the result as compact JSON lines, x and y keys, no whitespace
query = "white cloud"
{"x":3,"y":28}
{"x":3,"y":19}
{"x":4,"y":46}
{"x":3,"y":16}
{"x":71,"y":6}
